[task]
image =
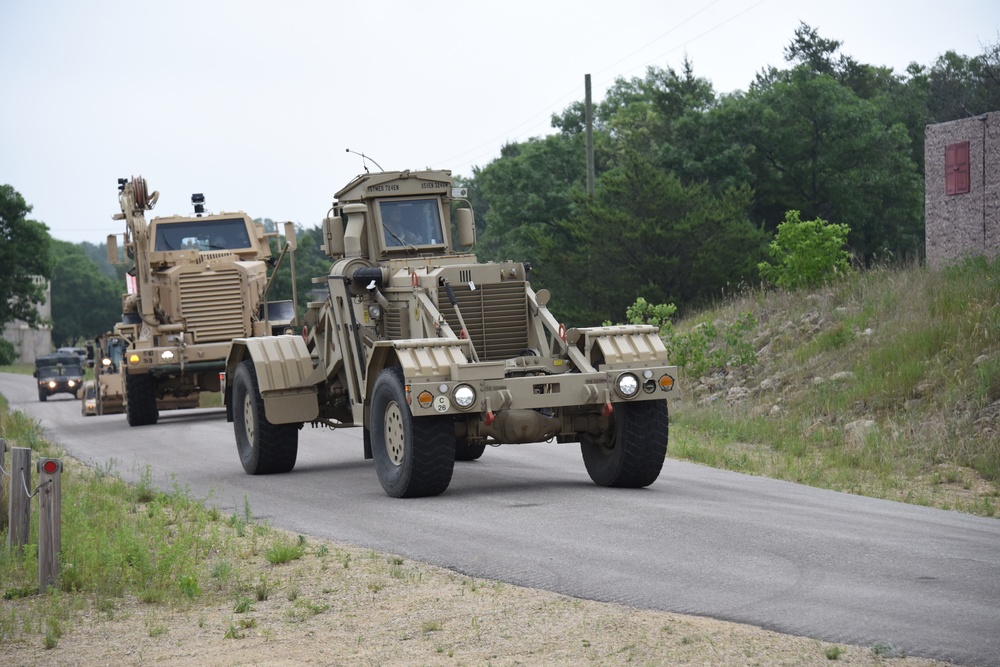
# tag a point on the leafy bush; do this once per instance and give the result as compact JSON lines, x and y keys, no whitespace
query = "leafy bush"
{"x":710,"y":345}
{"x":706,"y":347}
{"x":8,"y":353}
{"x":806,"y":253}
{"x":643,"y":312}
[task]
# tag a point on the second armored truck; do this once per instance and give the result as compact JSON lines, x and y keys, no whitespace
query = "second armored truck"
{"x":199,"y":282}
{"x":436,"y":355}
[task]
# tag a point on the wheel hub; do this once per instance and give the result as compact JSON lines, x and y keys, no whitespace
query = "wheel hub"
{"x":394,"y":442}
{"x":248,"y":422}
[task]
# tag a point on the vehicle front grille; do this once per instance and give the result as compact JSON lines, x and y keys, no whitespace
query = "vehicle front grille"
{"x":212,"y":305}
{"x":496,"y":317}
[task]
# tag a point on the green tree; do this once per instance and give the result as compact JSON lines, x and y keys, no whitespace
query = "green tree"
{"x":528,"y":189}
{"x":821,"y":149}
{"x":85,"y":302}
{"x":24,"y":254}
{"x":99,"y":253}
{"x":646,"y":234}
{"x":831,"y":137}
{"x":310,"y":262}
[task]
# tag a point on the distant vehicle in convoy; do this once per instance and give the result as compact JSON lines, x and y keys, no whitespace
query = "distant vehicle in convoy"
{"x":58,"y":373}
{"x":88,"y":398}
{"x":200,"y":281}
{"x":436,"y":355}
{"x":108,"y":351}
{"x":80,"y":351}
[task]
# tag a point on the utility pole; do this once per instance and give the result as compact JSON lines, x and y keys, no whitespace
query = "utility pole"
{"x":590,"y":139}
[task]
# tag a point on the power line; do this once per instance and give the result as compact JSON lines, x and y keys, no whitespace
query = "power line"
{"x":574,"y":93}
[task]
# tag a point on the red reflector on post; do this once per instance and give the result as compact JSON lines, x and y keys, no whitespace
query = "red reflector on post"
{"x":49,"y":466}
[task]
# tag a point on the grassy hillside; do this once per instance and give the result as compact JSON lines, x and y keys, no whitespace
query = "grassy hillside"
{"x":885,"y":384}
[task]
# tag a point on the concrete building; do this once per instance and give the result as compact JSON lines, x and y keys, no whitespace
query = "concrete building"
{"x":32,"y":342}
{"x":962,"y":189}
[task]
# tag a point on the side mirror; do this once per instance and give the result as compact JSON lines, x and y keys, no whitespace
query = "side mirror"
{"x":333,"y":236}
{"x":355,"y":228}
{"x":466,"y":228}
{"x":113,"y":248}
{"x":290,"y":236}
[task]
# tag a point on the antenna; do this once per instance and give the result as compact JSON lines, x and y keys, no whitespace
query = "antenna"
{"x":365,"y":157}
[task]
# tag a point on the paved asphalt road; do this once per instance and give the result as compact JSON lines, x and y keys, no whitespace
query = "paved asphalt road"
{"x":702,"y":541}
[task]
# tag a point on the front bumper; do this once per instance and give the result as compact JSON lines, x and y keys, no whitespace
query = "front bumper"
{"x":175,"y":361}
{"x":60,"y":386}
{"x":582,"y":391}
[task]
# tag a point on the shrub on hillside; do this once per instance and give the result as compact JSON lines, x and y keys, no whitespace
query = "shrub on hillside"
{"x":708,"y":346}
{"x":806,"y":253}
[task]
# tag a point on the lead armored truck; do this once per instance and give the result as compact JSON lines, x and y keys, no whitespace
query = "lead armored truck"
{"x":197,"y":282}
{"x":436,"y":355}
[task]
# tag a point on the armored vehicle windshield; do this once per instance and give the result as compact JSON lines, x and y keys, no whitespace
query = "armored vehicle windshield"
{"x":60,"y":363}
{"x":411,"y":222}
{"x":112,"y":358}
{"x":228,"y":234}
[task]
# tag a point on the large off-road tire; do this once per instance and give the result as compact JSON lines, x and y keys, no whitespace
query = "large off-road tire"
{"x":467,"y":451}
{"x":43,"y":395}
{"x":634,"y":455}
{"x":140,"y":400}
{"x":413,"y":457}
{"x":264,"y":448}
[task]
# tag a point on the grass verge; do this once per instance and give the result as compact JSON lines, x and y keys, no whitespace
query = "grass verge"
{"x":885,"y":384}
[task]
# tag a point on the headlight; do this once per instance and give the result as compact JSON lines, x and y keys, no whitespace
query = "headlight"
{"x":628,"y":385}
{"x":375,"y":311}
{"x":52,"y":384}
{"x":166,"y":355}
{"x":105,"y":361}
{"x":71,"y":384}
{"x":464,"y":396}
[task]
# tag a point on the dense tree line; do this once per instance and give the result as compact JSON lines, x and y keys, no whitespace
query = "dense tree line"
{"x":24,"y":255}
{"x":691,"y":185}
{"x":84,"y":301}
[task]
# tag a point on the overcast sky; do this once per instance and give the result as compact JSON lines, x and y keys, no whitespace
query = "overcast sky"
{"x":255,"y":103}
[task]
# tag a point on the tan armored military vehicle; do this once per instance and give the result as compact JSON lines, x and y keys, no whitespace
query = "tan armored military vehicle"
{"x":436,"y":355}
{"x":105,"y":394}
{"x":200,"y":281}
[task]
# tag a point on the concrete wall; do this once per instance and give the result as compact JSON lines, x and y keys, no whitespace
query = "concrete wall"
{"x":32,"y":342}
{"x":959,"y":226}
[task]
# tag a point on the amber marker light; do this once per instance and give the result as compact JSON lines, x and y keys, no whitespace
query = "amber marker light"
{"x":133,"y":359}
{"x":666,"y":383}
{"x":425,"y":399}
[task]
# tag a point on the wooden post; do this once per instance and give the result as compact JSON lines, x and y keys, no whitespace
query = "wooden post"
{"x":3,"y":470}
{"x":20,"y":498}
{"x":49,"y":521}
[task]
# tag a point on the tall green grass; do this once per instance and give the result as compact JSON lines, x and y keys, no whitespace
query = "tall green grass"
{"x":122,"y":541}
{"x":923,"y":351}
